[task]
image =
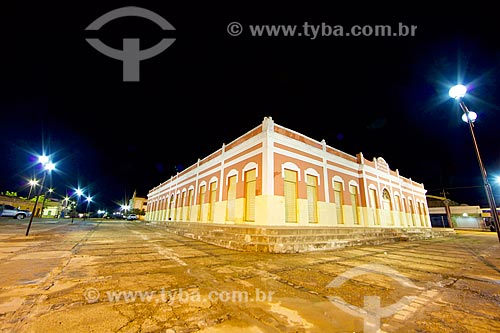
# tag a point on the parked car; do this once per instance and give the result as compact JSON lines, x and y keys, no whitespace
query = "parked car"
{"x":11,"y":211}
{"x":132,"y":217}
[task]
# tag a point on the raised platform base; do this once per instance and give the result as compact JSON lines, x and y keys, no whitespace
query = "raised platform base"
{"x":276,"y":239}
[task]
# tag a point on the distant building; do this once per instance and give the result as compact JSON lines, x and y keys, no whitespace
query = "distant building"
{"x":139,"y":203}
{"x":17,"y":202}
{"x":462,"y":217}
{"x":274,"y":176}
{"x":448,"y":213}
{"x":51,"y":207}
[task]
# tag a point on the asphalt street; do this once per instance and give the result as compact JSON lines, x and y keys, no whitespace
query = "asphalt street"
{"x":119,"y":276}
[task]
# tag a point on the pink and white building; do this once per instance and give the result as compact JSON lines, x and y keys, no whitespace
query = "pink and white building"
{"x":272,"y":176}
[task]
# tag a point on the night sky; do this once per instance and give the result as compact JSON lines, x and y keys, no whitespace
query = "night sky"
{"x":382,"y":96}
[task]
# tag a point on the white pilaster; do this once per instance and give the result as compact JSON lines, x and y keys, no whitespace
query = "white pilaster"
{"x":221,"y":181}
{"x":326,"y":181}
{"x":268,"y":157}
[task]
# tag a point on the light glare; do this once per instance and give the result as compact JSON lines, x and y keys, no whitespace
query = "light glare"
{"x":50,"y":166}
{"x":472,"y":116}
{"x":43,"y":159}
{"x":457,"y":91}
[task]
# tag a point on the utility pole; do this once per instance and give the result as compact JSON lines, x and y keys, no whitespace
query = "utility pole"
{"x":446,"y":203}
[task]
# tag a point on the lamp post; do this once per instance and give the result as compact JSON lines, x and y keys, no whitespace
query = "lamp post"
{"x":32,"y":183}
{"x":47,"y":167}
{"x":79,"y":193}
{"x":64,"y":210}
{"x":125,"y":208}
{"x":89,"y":200}
{"x":458,"y":92}
{"x":50,"y":190}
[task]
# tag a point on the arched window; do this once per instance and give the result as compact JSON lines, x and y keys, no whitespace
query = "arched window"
{"x":250,"y":190}
{"x":290,"y":189}
{"x":412,"y":211}
{"x":338,"y":198}
{"x":189,"y":202}
{"x":212,"y":199}
{"x":182,"y":203}
{"x":387,"y":205}
{"x":353,"y":191}
{"x":201,"y":201}
{"x":312,"y":197}
{"x":231,"y":197}
{"x":386,"y":200}
{"x":372,"y":191}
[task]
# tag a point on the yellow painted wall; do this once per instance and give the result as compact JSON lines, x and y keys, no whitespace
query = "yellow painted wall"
{"x":326,"y":214}
{"x":270,"y":211}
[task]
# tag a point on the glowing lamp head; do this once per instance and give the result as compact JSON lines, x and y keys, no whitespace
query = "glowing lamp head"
{"x":43,"y":159}
{"x":50,"y":166}
{"x":472,"y":116}
{"x":457,"y":91}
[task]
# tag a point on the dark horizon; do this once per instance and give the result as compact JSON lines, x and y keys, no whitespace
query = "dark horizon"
{"x":381,"y":96}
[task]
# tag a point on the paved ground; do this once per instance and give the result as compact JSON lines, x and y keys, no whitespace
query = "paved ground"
{"x":118,"y":276}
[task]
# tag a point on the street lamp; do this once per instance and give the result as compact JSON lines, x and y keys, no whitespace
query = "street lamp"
{"x":458,"y":92}
{"x":32,"y":183}
{"x":47,"y":167}
{"x":78,"y":193}
{"x":89,"y":200}
{"x":65,"y":206}
{"x":50,"y":190}
{"x":471,"y":115}
{"x":125,"y":208}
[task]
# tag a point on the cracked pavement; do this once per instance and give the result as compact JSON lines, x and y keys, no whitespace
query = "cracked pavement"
{"x":119,"y":276}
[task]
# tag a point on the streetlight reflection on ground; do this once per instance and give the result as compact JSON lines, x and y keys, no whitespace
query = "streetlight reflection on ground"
{"x":458,"y":92}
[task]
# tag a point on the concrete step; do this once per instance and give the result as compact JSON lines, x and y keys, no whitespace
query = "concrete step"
{"x":295,"y":239}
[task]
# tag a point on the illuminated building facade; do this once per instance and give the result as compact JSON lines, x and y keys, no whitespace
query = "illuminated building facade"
{"x":274,"y":177}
